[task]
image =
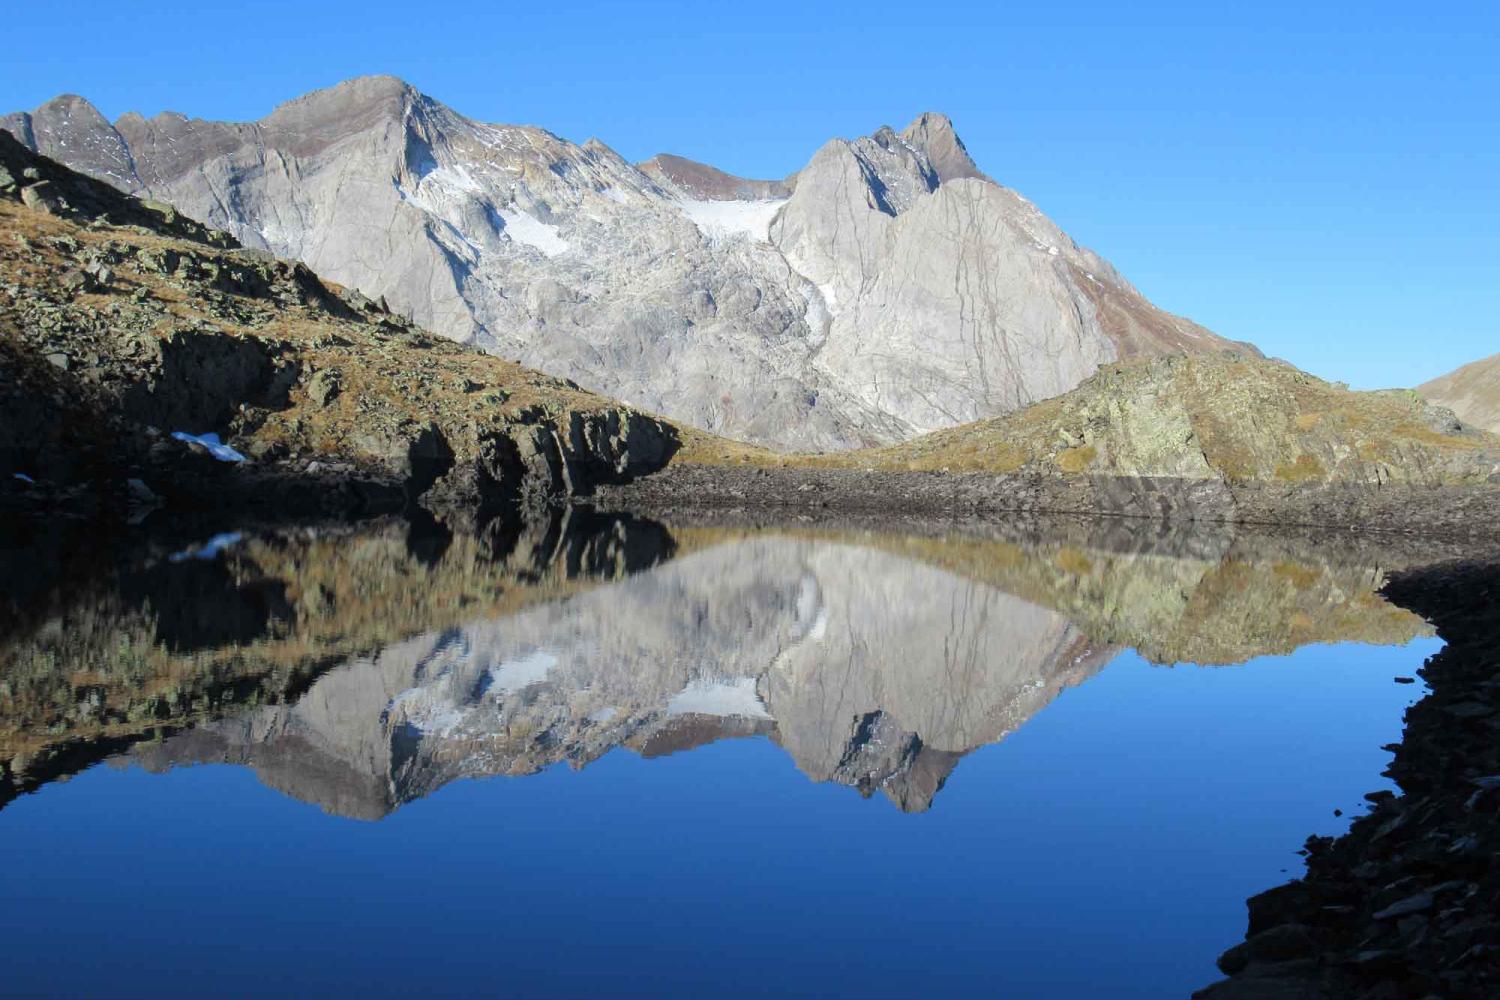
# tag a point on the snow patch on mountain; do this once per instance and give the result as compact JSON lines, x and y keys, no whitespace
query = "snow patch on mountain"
{"x":523,"y":228}
{"x":724,"y":219}
{"x":735,"y":697}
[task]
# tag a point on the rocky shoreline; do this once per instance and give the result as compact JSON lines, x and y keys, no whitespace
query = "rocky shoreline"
{"x":1407,"y":903}
{"x":1469,"y":511}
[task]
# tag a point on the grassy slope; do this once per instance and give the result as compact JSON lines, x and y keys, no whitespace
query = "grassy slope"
{"x":1196,"y":416}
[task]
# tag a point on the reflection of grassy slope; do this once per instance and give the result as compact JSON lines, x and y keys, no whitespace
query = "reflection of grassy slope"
{"x":95,"y":668}
{"x":1253,"y":600}
{"x":1202,"y":416}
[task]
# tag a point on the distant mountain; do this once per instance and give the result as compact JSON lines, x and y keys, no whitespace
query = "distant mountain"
{"x":1473,"y":392}
{"x":886,"y":289}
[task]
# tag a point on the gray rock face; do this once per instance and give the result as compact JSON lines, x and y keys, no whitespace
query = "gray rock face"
{"x":851,"y":658}
{"x":888,"y":288}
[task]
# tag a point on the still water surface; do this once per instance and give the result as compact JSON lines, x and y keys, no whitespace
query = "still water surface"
{"x":710,"y":761}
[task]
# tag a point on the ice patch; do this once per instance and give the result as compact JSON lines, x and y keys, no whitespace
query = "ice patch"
{"x":519,"y":674}
{"x":23,"y":477}
{"x":216,"y":448}
{"x":722,"y":698}
{"x":522,"y":228}
{"x":721,"y":219}
{"x":209,"y":549}
{"x":447,"y":181}
{"x":830,"y":300}
{"x":425,"y":711}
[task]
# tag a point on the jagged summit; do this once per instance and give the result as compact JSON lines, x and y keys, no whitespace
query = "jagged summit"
{"x":886,"y":289}
{"x":934,"y":134}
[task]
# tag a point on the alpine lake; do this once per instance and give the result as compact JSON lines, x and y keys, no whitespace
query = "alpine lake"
{"x":609,"y":754}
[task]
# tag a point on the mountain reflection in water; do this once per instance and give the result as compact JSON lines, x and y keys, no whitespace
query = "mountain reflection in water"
{"x":360,"y":668}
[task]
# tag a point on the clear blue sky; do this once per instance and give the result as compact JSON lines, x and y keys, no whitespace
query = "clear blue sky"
{"x":1320,"y":178}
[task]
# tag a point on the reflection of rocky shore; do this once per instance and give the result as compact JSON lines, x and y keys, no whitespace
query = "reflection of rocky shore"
{"x":363,"y":667}
{"x":872,"y":670}
{"x":1407,"y":903}
{"x":106,"y":643}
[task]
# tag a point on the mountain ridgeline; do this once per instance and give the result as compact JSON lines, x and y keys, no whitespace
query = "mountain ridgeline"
{"x":887,"y":289}
{"x":1472,"y":391}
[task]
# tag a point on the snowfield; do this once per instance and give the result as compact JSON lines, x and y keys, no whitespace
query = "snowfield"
{"x":522,"y":228}
{"x":723,"y":219}
{"x":721,"y":698}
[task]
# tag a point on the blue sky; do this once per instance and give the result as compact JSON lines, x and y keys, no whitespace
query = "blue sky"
{"x":1320,"y":178}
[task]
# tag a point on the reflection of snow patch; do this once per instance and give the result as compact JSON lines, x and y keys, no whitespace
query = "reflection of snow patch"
{"x":519,"y":674}
{"x":215,"y":447}
{"x":522,"y":228}
{"x":604,"y":714}
{"x":733,"y":218}
{"x":209,"y":549}
{"x":721,"y":698}
{"x":23,"y":477}
{"x":426,"y":711}
{"x":810,"y":608}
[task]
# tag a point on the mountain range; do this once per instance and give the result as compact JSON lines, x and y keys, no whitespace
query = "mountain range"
{"x":886,"y":289}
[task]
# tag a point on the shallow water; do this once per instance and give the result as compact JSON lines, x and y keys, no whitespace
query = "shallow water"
{"x":714,"y":760}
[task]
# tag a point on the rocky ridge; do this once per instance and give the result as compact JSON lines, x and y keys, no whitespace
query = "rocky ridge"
{"x":122,"y":323}
{"x":887,"y":288}
{"x":1203,"y":437}
{"x":1473,"y":392}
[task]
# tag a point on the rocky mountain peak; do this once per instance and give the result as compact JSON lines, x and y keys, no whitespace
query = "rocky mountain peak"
{"x":361,"y":91}
{"x":934,"y":134}
{"x":349,"y":108}
{"x":69,"y":128}
{"x":697,"y":180}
